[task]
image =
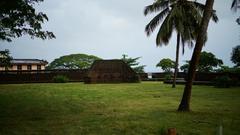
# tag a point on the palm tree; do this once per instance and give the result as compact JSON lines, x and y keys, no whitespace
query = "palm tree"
{"x":185,"y":102}
{"x":183,"y":16}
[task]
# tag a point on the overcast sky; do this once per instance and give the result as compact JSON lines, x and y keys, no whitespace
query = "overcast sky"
{"x":110,"y":28}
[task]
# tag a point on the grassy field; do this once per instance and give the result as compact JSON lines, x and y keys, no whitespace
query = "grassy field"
{"x":105,"y":109}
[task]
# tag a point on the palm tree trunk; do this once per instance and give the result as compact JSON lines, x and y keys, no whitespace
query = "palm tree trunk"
{"x":176,"y":61}
{"x":185,"y":102}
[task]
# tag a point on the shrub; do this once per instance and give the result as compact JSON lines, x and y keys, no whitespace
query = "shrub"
{"x":167,"y":77}
{"x":163,"y":131}
{"x":60,"y":79}
{"x":223,"y":82}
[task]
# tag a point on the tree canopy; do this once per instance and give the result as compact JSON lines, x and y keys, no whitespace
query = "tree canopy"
{"x":207,"y":62}
{"x":73,"y":61}
{"x":132,"y":62}
{"x":19,"y":17}
{"x":166,"y":64}
{"x":5,"y":59}
{"x":185,"y":67}
{"x":235,"y":56}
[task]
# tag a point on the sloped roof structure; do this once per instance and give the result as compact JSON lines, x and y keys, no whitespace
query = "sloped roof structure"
{"x":28,"y":61}
{"x":111,"y":71}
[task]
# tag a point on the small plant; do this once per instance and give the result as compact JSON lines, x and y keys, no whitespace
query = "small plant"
{"x":167,"y":77}
{"x":223,"y":82}
{"x":60,"y":79}
{"x":163,"y":131}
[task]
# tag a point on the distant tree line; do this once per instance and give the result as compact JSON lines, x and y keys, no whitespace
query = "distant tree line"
{"x":207,"y":63}
{"x":73,"y":61}
{"x":133,"y":63}
{"x":84,"y":61}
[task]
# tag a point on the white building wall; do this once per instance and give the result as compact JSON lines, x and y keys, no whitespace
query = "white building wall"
{"x":24,"y":67}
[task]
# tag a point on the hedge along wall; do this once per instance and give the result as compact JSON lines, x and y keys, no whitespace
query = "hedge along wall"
{"x":42,"y":76}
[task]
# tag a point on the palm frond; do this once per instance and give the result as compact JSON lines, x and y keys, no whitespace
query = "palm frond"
{"x":156,"y":6}
{"x":214,"y":16}
{"x":165,"y":31}
{"x":183,"y":45}
{"x":150,"y":27}
{"x":178,"y":13}
{"x":234,"y":5}
{"x":201,"y":8}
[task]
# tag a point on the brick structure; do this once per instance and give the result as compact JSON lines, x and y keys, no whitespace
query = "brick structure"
{"x":111,"y":71}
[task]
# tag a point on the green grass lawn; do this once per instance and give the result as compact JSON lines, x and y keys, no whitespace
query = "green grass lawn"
{"x":106,"y":109}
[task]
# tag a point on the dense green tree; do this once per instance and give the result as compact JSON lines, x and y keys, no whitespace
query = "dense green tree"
{"x":166,"y":64}
{"x":5,"y":59}
{"x":186,"y":98}
{"x":235,"y":56}
{"x":207,"y":63}
{"x":228,"y":69}
{"x":183,"y":16}
{"x":223,"y":68}
{"x":73,"y":61}
{"x":19,"y":17}
{"x":133,"y":63}
{"x":185,"y":67}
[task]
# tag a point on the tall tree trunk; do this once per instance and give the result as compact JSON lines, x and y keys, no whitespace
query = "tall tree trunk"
{"x":176,"y":61}
{"x":185,"y":102}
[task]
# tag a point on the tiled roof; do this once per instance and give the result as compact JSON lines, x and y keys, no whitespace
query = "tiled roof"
{"x":29,"y":61}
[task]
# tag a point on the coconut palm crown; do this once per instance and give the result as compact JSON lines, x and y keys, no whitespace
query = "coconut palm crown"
{"x":183,"y":16}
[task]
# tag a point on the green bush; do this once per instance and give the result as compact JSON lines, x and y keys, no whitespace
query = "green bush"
{"x":163,"y":131}
{"x":223,"y":82}
{"x":167,"y":77}
{"x":60,"y":79}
